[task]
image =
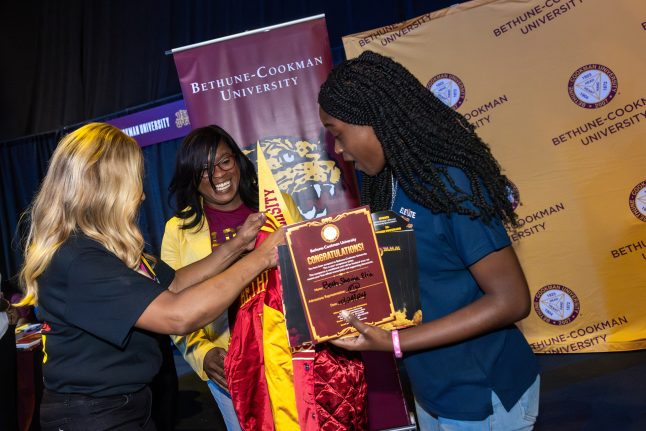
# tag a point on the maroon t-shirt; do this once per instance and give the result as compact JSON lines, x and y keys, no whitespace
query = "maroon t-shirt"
{"x":224,"y":224}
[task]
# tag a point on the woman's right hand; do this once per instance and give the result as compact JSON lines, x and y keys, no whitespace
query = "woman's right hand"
{"x":267,"y":249}
{"x":370,"y":338}
{"x":246,"y":233}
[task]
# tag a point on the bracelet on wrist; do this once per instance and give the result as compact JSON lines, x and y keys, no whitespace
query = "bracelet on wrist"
{"x":396,"y":346}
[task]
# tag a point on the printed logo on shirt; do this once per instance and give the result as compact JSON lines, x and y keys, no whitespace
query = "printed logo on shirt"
{"x":44,"y":330}
{"x":556,"y":304}
{"x":226,"y":235}
{"x":407,"y":212}
{"x":637,"y":201}
{"x":592,"y":86}
{"x":448,"y":88}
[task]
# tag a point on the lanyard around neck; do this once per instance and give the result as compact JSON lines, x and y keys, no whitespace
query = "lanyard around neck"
{"x":145,"y":265}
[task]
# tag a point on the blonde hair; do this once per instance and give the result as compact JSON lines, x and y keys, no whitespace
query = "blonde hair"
{"x":94,"y":184}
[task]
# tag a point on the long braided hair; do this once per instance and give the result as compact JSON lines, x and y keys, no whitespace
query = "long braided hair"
{"x":420,"y":136}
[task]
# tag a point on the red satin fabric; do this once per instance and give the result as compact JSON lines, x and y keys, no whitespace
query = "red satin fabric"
{"x":304,"y":386}
{"x":340,"y":390}
{"x":244,"y":363}
{"x":331,"y":390}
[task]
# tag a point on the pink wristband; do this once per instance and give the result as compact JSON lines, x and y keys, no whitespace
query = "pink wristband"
{"x":395,"y":336}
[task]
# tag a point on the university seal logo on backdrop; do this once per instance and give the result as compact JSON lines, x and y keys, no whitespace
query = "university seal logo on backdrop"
{"x":637,"y":201}
{"x":513,"y":195}
{"x":556,"y":304}
{"x":181,"y":119}
{"x":448,"y":88}
{"x":592,"y":86}
{"x":303,"y":170}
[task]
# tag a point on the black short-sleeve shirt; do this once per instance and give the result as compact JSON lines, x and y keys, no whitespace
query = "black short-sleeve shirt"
{"x":89,"y":301}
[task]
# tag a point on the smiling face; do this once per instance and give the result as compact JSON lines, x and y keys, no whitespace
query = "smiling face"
{"x":223,"y":192}
{"x":357,"y":144}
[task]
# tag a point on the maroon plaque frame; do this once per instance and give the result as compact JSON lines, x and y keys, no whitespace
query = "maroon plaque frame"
{"x":338,"y":267}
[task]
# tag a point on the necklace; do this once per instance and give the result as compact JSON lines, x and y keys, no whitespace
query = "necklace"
{"x":145,"y":265}
{"x":393,"y":190}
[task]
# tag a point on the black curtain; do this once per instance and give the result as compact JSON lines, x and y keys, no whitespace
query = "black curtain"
{"x":66,"y":62}
{"x":159,"y":164}
{"x":23,"y":164}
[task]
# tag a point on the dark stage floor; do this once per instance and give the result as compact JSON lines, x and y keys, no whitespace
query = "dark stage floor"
{"x":599,"y":391}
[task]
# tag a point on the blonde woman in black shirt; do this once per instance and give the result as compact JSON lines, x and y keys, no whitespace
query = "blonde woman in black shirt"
{"x":100,"y":298}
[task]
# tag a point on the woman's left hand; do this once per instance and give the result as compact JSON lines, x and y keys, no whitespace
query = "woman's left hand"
{"x":370,"y":337}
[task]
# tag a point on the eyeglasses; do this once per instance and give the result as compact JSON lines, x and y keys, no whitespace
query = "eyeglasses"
{"x":226,"y":163}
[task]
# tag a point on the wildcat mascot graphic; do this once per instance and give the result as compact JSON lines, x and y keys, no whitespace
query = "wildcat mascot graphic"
{"x":304,"y":170}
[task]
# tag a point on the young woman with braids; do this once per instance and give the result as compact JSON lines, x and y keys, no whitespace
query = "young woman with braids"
{"x":100,"y":298}
{"x":470,"y":367}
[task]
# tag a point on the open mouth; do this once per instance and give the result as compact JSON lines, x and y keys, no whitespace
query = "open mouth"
{"x":223,"y":187}
{"x":313,"y":205}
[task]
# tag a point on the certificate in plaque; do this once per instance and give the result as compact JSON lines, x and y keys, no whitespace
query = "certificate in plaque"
{"x":337,"y":266}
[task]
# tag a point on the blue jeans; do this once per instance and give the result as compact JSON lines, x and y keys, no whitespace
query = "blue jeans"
{"x":521,"y":417}
{"x":76,"y":412}
{"x":223,"y":400}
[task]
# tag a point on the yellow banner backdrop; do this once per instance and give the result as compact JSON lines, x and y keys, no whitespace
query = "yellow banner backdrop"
{"x":557,"y":89}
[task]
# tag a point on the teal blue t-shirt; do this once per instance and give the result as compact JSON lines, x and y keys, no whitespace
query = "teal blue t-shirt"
{"x":456,"y":381}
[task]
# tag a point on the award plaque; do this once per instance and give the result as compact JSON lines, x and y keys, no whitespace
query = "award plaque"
{"x":398,"y":254}
{"x":337,"y":266}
